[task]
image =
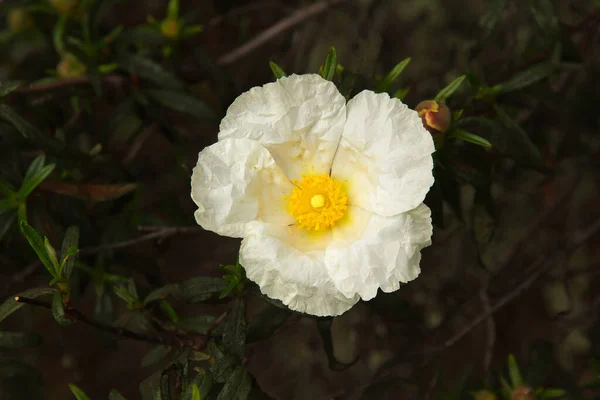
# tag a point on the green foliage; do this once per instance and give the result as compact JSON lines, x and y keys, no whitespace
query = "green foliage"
{"x":78,"y":392}
{"x":278,"y":72}
{"x":449,"y":90}
{"x":330,"y":65}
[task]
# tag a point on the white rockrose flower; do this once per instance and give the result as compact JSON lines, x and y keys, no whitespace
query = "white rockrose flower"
{"x":327,"y":196}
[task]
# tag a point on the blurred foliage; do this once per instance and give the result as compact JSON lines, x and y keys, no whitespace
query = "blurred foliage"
{"x":78,"y":176}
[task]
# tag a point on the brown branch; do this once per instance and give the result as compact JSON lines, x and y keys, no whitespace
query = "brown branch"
{"x":246,"y":9}
{"x":280,"y":27}
{"x":216,"y":324}
{"x":122,"y":332}
{"x":115,"y":80}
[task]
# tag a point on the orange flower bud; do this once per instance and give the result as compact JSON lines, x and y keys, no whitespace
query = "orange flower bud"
{"x":436,"y":116}
{"x":170,"y":28}
{"x":70,"y":67}
{"x":522,"y":393}
{"x":484,"y":395}
{"x":64,"y":6}
{"x":19,"y":20}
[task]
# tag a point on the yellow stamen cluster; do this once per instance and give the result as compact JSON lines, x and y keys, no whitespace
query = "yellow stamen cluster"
{"x":317,"y":202}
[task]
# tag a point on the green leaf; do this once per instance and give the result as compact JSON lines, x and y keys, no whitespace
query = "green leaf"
{"x":552,"y":393}
{"x":150,"y":70}
{"x":266,"y":323}
{"x":155,"y":355}
{"x":466,"y":136}
{"x":182,"y":102}
{"x":385,"y":83}
{"x":11,"y":305}
{"x":58,"y":311}
{"x":489,"y":21}
{"x":173,"y":9}
{"x":52,"y":254}
{"x":36,"y":174}
{"x":199,"y":324}
{"x":525,"y":78}
{"x":69,"y":251}
{"x":79,"y":394}
{"x":18,"y":340}
{"x":324,"y":325}
{"x":446,"y":92}
{"x":234,"y":333}
{"x":162,"y":293}
{"x":30,"y":132}
{"x":58,"y":34}
{"x":202,"y":384}
{"x":166,"y":307}
{"x":201,"y":288}
{"x":223,"y":367}
{"x":237,"y":387}
{"x":115,"y":395}
{"x":277,"y":70}
{"x":330,"y":64}
{"x":7,"y":87}
{"x":402,"y":92}
{"x":39,"y":247}
{"x":513,"y":370}
{"x":529,"y":150}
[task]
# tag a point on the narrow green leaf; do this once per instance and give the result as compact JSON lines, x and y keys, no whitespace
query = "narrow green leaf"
{"x":37,"y":243}
{"x":166,"y":307}
{"x":552,"y":393}
{"x":173,"y":9}
{"x":11,"y":305}
{"x":234,"y":333}
{"x":386,"y":82}
{"x":29,"y":131}
{"x":182,"y":102}
{"x":18,"y":340}
{"x":237,"y":387}
{"x":115,"y":395}
{"x":324,"y":325}
{"x":330,"y":65}
{"x":529,"y":150}
{"x":202,"y":383}
{"x":52,"y":254}
{"x":7,"y":87}
{"x":489,"y":21}
{"x":58,"y":311}
{"x":402,"y":92}
{"x":163,"y":292}
{"x":266,"y":323}
{"x":69,"y":251}
{"x":201,"y":288}
{"x":513,"y":370}
{"x":277,"y":70}
{"x":222,"y":368}
{"x":78,"y":393}
{"x":446,"y":92}
{"x":155,"y":355}
{"x":30,"y":183}
{"x":466,"y":136}
{"x":150,"y":70}
{"x":59,"y":33}
{"x":525,"y":78}
{"x":191,"y":30}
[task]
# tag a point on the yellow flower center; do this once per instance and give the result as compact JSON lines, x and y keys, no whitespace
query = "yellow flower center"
{"x":317,"y":202}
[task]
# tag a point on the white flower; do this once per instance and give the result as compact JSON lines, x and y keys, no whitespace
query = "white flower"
{"x":327,"y":196}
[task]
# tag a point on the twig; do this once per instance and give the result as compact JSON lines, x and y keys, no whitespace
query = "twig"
{"x":216,"y":324}
{"x":270,"y":33}
{"x":121,"y":332}
{"x":491,"y":328}
{"x":245,"y":9}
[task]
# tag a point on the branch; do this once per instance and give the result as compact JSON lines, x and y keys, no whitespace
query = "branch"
{"x":285,"y":24}
{"x":245,"y":9}
{"x":122,"y":332}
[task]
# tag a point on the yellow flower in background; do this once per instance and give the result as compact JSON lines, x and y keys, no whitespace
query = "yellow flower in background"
{"x":327,"y":196}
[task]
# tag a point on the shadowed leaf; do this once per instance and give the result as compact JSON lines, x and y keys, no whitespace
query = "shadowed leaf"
{"x":237,"y":387}
{"x":17,"y":340}
{"x":155,"y":355}
{"x":234,"y":331}
{"x":11,"y":305}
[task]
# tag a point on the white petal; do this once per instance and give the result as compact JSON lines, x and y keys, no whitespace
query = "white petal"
{"x":384,"y":155}
{"x":236,"y":181}
{"x":298,"y":118}
{"x":371,"y":252}
{"x":287,"y":264}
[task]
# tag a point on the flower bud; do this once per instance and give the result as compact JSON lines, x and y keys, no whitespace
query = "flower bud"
{"x":19,"y":20}
{"x":64,"y":6}
{"x":484,"y":395}
{"x":70,"y":67}
{"x":170,"y":28}
{"x":522,"y":393}
{"x":435,"y":116}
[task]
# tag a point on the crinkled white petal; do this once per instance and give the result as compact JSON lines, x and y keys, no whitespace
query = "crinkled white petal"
{"x":299,"y":119}
{"x":236,"y":181}
{"x":384,"y":155}
{"x":371,"y":252}
{"x":287,"y":264}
